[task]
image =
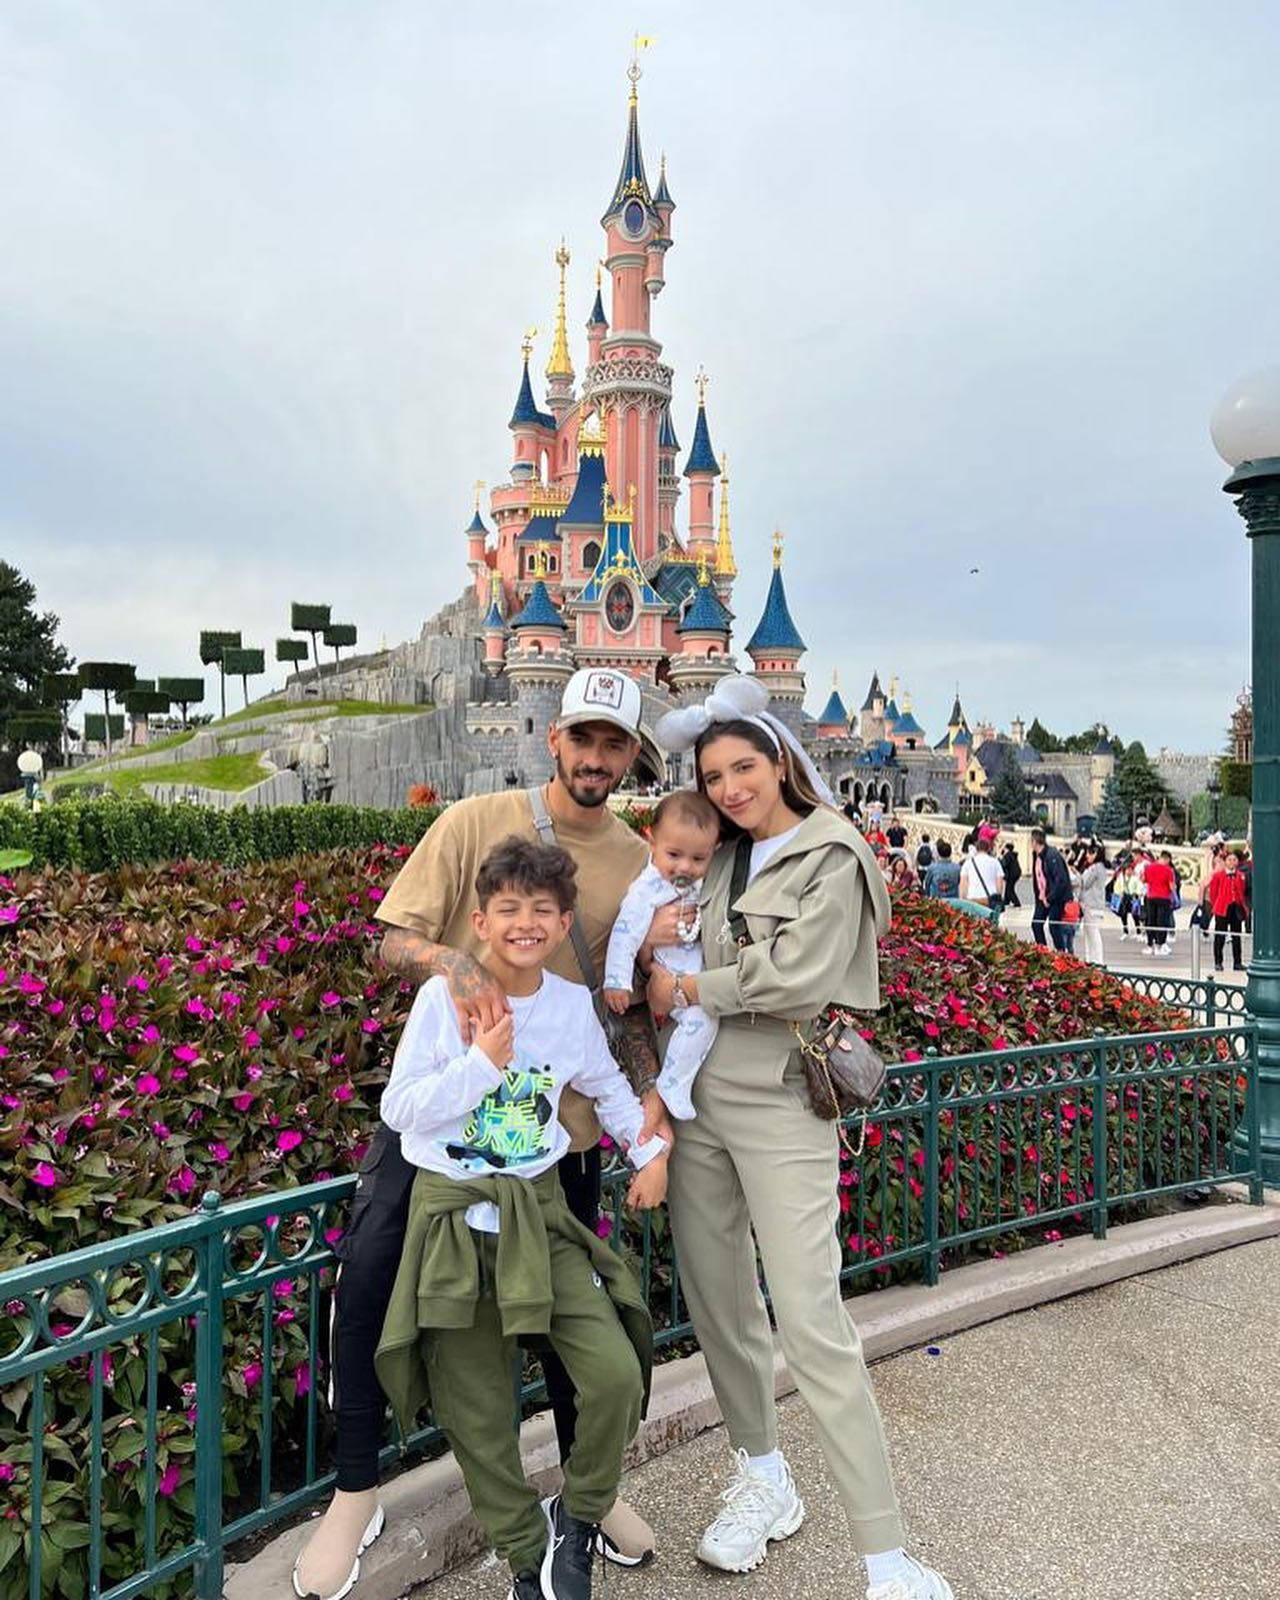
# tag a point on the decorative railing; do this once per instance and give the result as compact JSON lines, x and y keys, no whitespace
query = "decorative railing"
{"x":1206,"y":999}
{"x":145,"y":1456}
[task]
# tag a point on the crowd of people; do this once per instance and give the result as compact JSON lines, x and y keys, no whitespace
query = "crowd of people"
{"x":1075,"y":888}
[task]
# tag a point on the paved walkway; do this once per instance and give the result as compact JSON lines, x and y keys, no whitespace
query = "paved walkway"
{"x":1123,"y":1445}
{"x":1132,"y":955}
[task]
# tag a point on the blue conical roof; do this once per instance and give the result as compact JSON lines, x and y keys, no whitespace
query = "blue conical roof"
{"x":666,"y":432}
{"x":538,"y":610}
{"x":597,"y":319}
{"x":662,"y":195}
{"x":891,"y":712}
{"x":907,"y":724}
{"x":874,"y":693}
{"x":494,"y":617}
{"x":834,"y":710}
{"x":706,"y":614}
{"x":526,"y":409}
{"x":586,"y":506}
{"x":775,"y":630}
{"x":632,"y":183}
{"x":701,"y":456}
{"x":476,"y":525}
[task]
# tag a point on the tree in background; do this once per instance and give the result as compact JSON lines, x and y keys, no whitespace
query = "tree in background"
{"x":309,"y":619}
{"x":142,"y":701}
{"x":29,"y":653}
{"x":1113,"y":814}
{"x":60,"y":690}
{"x":1141,"y":789}
{"x":338,"y":634}
{"x":1010,"y":799}
{"x":183,"y":693}
{"x":244,"y":663}
{"x":101,"y":730}
{"x":292,"y":651}
{"x":213,"y":642}
{"x":1039,"y":738}
{"x":108,"y":678}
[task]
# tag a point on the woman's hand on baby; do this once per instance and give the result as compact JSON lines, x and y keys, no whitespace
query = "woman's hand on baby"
{"x":663,"y":931}
{"x":661,"y":992}
{"x":649,"y":1186}
{"x":618,"y":1000}
{"x":498,"y":1041}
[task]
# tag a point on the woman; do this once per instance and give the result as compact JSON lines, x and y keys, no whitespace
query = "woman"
{"x":900,"y":874}
{"x":755,"y":1158}
{"x":1093,"y":901}
{"x":1012,"y":869}
{"x":1129,"y":883}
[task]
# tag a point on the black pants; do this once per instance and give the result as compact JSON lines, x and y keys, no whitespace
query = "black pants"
{"x":369,"y":1251}
{"x":1159,"y":914}
{"x":1059,"y":931}
{"x":1231,"y":922}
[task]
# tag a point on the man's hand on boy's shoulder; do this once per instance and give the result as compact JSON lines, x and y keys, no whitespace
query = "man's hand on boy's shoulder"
{"x":648,"y":1188}
{"x":477,"y":995}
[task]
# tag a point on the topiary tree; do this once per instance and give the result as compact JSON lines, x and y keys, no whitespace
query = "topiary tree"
{"x":101,"y":730}
{"x":213,"y":642}
{"x":143,"y":702}
{"x":182,"y":692}
{"x":309,"y":619}
{"x":1113,"y":814}
{"x":108,"y":677}
{"x":244,"y":664}
{"x":291,"y":650}
{"x":1010,"y":799}
{"x":338,"y":634}
{"x":60,"y":690}
{"x":37,"y":729}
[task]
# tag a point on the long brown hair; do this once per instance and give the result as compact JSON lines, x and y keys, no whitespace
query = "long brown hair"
{"x":797,"y":791}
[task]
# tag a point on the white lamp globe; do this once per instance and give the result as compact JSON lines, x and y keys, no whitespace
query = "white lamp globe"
{"x":1245,"y":425}
{"x":30,"y":764}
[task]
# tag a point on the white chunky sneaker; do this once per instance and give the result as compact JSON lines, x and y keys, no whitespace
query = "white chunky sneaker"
{"x":756,"y":1510}
{"x":924,"y":1584}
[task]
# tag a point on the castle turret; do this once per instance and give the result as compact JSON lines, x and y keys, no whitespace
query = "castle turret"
{"x":664,"y":205}
{"x":704,"y":642}
{"x":495,"y":630}
{"x":477,"y":538}
{"x":597,"y":325}
{"x":907,"y":732}
{"x":560,"y":367}
{"x":668,"y":482}
{"x":533,"y":429}
{"x":702,"y":469}
{"x":833,"y":719}
{"x":539,"y":666}
{"x":871,"y":714}
{"x":775,"y":648}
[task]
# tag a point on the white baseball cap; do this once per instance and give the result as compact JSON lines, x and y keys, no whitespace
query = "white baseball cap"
{"x":601,"y":694}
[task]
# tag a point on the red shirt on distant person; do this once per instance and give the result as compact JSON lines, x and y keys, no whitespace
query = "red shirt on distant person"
{"x":1159,"y":879}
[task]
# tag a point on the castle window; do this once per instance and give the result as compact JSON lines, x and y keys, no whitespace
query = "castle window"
{"x":528,"y":724}
{"x":590,"y":555}
{"x":619,"y":607}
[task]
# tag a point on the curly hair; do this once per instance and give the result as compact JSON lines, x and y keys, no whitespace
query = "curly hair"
{"x":520,"y":864}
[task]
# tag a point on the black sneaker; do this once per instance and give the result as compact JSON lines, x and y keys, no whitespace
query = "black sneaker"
{"x":526,"y":1586}
{"x":566,"y":1567}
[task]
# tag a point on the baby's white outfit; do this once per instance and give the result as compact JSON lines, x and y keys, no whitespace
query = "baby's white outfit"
{"x":695,"y":1031}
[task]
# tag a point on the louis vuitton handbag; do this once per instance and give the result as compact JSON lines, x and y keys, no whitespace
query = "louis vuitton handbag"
{"x":842,"y":1073}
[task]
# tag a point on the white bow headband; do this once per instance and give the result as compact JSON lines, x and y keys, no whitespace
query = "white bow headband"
{"x":737,"y":699}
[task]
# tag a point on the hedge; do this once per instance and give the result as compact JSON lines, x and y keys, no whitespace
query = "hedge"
{"x":99,"y":834}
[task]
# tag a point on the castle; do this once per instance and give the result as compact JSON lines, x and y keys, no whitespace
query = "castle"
{"x":585,"y":560}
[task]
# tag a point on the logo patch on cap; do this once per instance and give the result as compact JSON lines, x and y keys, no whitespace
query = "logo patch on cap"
{"x":604,"y":689}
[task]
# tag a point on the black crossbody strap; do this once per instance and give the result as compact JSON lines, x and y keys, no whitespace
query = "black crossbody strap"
{"x":738,"y":930}
{"x":547,"y":833}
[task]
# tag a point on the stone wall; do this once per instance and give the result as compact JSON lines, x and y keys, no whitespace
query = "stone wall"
{"x":1186,"y":775}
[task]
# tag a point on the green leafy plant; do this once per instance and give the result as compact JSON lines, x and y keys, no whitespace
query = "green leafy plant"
{"x":312,"y":619}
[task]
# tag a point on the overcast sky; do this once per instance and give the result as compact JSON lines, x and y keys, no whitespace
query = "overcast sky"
{"x":967,"y":280}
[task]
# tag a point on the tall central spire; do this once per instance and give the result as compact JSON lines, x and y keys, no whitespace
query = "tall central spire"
{"x":632,"y":183}
{"x":559,"y":365}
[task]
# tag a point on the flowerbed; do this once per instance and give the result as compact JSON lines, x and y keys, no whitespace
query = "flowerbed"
{"x":169,"y":1030}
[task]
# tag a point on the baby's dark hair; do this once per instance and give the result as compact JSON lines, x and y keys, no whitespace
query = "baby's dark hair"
{"x":520,"y":864}
{"x":686,"y":805}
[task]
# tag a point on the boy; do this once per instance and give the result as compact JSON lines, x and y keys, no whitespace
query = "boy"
{"x":682,"y":836}
{"x":492,"y":1252}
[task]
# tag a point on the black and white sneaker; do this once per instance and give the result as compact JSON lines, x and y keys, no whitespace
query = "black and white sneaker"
{"x":526,"y":1586}
{"x":566,"y":1567}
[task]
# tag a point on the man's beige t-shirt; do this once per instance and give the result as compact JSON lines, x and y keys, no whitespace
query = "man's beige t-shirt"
{"x":434,"y":893}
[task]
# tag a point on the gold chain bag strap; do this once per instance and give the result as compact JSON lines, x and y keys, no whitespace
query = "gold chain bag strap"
{"x":842,"y":1072}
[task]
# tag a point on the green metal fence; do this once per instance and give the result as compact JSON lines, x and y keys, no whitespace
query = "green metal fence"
{"x":1206,"y":999}
{"x":110,"y":1352}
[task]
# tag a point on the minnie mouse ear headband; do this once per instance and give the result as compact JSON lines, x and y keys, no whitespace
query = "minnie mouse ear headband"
{"x":737,"y":699}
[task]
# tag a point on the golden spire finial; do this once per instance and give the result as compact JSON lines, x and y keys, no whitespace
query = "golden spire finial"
{"x":835,"y":678}
{"x":893,"y":687}
{"x":726,"y":567}
{"x":704,"y":575}
{"x":640,"y":42}
{"x":560,"y":366}
{"x":495,"y":586}
{"x":906,"y":702}
{"x":700,"y":380}
{"x":479,"y":492}
{"x":599,"y":276}
{"x":526,"y":344}
{"x":777,"y":548}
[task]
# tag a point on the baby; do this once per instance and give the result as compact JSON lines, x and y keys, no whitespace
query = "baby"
{"x":682,"y":838}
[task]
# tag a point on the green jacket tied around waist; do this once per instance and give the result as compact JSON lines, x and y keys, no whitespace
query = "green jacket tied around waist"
{"x":438,"y":1281}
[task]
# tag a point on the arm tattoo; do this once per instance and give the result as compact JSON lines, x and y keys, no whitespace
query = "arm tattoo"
{"x":636,"y":1049}
{"x":418,"y":959}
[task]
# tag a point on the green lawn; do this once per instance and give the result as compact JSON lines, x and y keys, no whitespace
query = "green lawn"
{"x":232,"y":772}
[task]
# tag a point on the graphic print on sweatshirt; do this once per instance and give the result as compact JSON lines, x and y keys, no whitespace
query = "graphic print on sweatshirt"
{"x":512,"y":1125}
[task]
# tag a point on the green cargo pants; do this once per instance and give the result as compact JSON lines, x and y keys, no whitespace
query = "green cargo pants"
{"x":470,"y":1375}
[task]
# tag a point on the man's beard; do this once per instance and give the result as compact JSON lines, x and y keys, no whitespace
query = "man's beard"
{"x":585,"y":797}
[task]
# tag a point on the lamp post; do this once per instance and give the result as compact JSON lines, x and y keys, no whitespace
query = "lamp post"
{"x":31,"y":767}
{"x":1214,"y":786}
{"x":1246,"y":433}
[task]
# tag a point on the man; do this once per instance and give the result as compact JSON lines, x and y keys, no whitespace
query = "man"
{"x":896,"y":834}
{"x":1051,"y":883}
{"x":942,"y":879}
{"x":430,"y":932}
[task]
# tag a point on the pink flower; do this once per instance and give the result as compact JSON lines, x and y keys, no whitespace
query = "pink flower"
{"x":169,"y":1479}
{"x":138,"y":982}
{"x":370,"y":1025}
{"x":186,"y":1052}
{"x":61,"y":1074}
{"x":45,"y":1176}
{"x":252,"y":1374}
{"x":179,"y":1074}
{"x":151,"y":1034}
{"x":301,"y":908}
{"x":164,"y":966}
{"x":28,"y":983}
{"x":290,"y":1139}
{"x":7,"y":1472}
{"x":302,"y":1377}
{"x":284,"y":944}
{"x":183,"y":1180}
{"x":242,"y":1101}
{"x":253,"y":1072}
{"x":252,"y":1039}
{"x":219,"y":1151}
{"x":604,"y":1227}
{"x":195,"y":945}
{"x":161,"y":1130}
{"x":148,"y":1083}
{"x":330,"y":998}
{"x":8,"y":913}
{"x":331,"y":1236}
{"x":342,"y":1092}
